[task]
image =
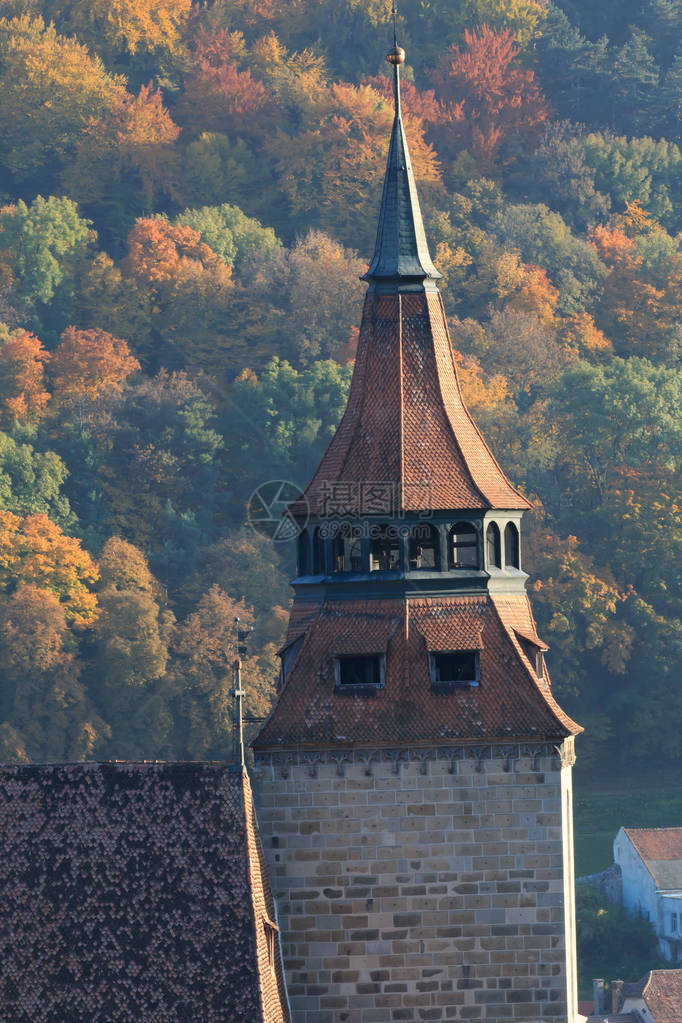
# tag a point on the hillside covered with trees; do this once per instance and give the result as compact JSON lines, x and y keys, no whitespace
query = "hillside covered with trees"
{"x":188,"y":197}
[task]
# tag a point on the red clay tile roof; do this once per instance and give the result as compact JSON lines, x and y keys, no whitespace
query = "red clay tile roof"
{"x":663,"y":996}
{"x":510,"y":702}
{"x":661,"y":852}
{"x":406,"y":424}
{"x":133,"y":892}
{"x":656,"y":843}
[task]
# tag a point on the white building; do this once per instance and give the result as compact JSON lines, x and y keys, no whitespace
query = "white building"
{"x":650,"y":860}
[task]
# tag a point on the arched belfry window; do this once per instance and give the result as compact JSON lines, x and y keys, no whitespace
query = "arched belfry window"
{"x":347,"y":549}
{"x":303,"y":553}
{"x":463,"y":546}
{"x":319,"y":560}
{"x":423,"y":551}
{"x":511,"y":546}
{"x":493,"y":554}
{"x":384,"y":549}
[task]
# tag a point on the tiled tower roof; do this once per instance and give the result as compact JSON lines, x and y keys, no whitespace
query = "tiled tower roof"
{"x":511,"y":703}
{"x":406,"y":424}
{"x":426,"y":637}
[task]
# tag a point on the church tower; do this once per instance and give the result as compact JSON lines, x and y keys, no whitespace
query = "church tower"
{"x":415,"y":774}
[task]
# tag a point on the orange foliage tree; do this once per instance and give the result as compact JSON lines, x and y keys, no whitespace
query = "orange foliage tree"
{"x":35,"y":551}
{"x":22,"y":377}
{"x":190,"y":288}
{"x":490,"y":101}
{"x":125,"y":156}
{"x":640,"y":309}
{"x":88,"y":363}
{"x":218,"y":95}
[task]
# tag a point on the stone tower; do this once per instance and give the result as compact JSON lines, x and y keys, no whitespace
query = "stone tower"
{"x":415,"y":774}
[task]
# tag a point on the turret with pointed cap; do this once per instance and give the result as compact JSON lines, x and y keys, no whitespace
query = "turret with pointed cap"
{"x":401,"y":258}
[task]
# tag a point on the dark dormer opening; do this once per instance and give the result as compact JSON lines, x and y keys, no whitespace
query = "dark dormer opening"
{"x":492,"y":546}
{"x":347,"y":549}
{"x":534,"y":652}
{"x":384,"y":550}
{"x":463,"y":546}
{"x":359,"y":670}
{"x":423,"y":549}
{"x":451,"y":669}
{"x":303,"y":553}
{"x":511,"y":546}
{"x":319,"y":559}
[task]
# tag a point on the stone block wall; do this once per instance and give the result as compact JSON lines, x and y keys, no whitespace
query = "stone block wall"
{"x":423,"y":885}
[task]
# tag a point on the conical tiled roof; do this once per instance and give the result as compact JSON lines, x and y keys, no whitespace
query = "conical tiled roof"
{"x":406,"y":425}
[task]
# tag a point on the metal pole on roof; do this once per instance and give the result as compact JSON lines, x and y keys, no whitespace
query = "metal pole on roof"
{"x":241,"y":635}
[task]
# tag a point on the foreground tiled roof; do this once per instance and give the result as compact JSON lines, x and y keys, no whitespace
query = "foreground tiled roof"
{"x":510,"y":702}
{"x":661,"y":851}
{"x":133,"y":893}
{"x":663,"y":996}
{"x":406,"y":425}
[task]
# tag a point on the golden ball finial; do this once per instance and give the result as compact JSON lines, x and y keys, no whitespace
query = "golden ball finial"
{"x":396,"y":55}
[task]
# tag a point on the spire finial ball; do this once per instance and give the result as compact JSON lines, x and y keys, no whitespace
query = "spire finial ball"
{"x":396,"y":55}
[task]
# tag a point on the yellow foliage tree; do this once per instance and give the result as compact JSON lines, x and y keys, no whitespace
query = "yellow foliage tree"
{"x":50,"y":86}
{"x":33,"y":550}
{"x":128,"y":26}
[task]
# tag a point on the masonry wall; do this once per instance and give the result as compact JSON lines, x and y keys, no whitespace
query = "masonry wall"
{"x":427,"y":885}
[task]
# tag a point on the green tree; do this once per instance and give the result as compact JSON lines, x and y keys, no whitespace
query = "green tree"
{"x":285,"y":415}
{"x":230,"y":233}
{"x":543,"y":238}
{"x":641,"y":170}
{"x":561,"y":175}
{"x":635,"y":80}
{"x":44,"y":245}
{"x":31,"y":482}
{"x":610,"y":942}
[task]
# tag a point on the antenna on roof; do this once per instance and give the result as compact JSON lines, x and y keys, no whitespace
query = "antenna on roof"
{"x":241,"y":636}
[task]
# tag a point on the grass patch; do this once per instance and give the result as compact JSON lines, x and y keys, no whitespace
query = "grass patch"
{"x":603,"y":805}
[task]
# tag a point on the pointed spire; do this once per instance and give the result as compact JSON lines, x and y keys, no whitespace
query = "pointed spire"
{"x":401,"y":258}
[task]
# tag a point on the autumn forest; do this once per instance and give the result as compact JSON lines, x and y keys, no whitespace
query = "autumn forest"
{"x":188,"y":197}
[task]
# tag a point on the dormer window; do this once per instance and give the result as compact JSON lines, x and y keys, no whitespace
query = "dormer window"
{"x":463,"y":547}
{"x":384,"y":551}
{"x":423,"y":549}
{"x":492,"y":546}
{"x":353,"y":671}
{"x":453,"y":669}
{"x":534,"y":649}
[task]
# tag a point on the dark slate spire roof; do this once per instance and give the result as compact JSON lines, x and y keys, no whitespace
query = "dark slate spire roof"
{"x":401,"y":255}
